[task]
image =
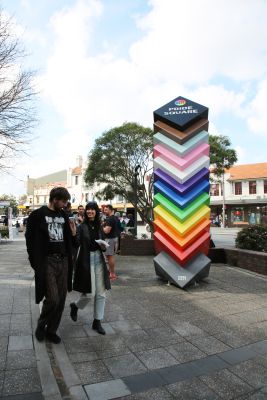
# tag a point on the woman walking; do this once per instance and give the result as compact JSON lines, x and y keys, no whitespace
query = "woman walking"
{"x":91,"y":273}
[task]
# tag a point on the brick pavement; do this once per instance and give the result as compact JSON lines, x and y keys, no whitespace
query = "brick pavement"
{"x":209,"y":342}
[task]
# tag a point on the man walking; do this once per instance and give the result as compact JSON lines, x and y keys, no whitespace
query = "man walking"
{"x":111,"y":232}
{"x":49,"y":239}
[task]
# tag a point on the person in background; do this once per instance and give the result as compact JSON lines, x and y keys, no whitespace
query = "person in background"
{"x":120,"y":229}
{"x":110,"y":229}
{"x":17,"y":227}
{"x":49,"y":239}
{"x":91,"y":273}
{"x":80,"y":215}
{"x":67,"y":209}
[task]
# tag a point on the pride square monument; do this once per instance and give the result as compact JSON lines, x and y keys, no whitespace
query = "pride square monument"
{"x":181,"y":192}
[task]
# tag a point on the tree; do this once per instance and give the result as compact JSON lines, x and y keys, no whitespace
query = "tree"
{"x":17,"y":113}
{"x":222,"y":157}
{"x":113,"y":160}
{"x":13,"y":203}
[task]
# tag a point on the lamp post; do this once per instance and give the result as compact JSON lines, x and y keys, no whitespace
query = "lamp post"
{"x":136,"y":173}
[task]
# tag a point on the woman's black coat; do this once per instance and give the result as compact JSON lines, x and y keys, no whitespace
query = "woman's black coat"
{"x":82,"y":274}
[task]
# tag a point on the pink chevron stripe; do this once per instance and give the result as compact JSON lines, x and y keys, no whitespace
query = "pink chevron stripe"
{"x":181,"y":162}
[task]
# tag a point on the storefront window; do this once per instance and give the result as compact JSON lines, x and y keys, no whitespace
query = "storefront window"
{"x":238,"y":188}
{"x":252,"y":187}
{"x":214,"y":189}
{"x":237,"y":215}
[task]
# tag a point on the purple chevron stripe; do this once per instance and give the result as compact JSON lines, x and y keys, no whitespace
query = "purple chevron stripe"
{"x":181,"y":187}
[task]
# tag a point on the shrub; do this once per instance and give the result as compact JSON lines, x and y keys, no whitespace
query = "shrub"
{"x":252,"y":238}
{"x":4,"y":232}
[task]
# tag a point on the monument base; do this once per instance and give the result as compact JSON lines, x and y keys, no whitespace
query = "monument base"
{"x":193,"y":271}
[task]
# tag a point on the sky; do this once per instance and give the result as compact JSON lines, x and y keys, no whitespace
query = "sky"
{"x":100,"y":63}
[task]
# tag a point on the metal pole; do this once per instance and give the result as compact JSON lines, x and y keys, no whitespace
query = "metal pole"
{"x":135,"y":198}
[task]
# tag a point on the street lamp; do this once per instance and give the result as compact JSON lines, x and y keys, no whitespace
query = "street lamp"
{"x":136,"y":173}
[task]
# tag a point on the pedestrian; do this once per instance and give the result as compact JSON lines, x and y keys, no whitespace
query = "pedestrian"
{"x":17,"y":227}
{"x":49,"y":239}
{"x":91,"y":273}
{"x":111,"y":234}
{"x":80,"y":215}
{"x":120,"y":229}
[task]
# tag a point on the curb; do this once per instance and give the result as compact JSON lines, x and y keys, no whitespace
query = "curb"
{"x":50,"y":389}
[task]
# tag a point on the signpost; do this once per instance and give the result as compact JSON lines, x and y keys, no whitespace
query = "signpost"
{"x":181,"y":192}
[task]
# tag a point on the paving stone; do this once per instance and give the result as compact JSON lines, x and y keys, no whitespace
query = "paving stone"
{"x":21,"y":359}
{"x":238,"y":355}
{"x":70,"y":331}
{"x":226,"y":384}
{"x":28,"y":396}
{"x":209,"y":344}
{"x":159,"y":393}
{"x":177,"y":373}
{"x":83,"y":357}
{"x":156,"y":358}
{"x":262,"y":361}
{"x":20,"y":343}
{"x":117,"y":351}
{"x":92,"y":372}
{"x":124,"y":365}
{"x":208,"y":364}
{"x":143,"y":382}
{"x":126,"y":325}
{"x":259,"y":347}
{"x":185,"y":351}
{"x":188,"y":329}
{"x":21,"y":381}
{"x":193,"y":389}
{"x":78,"y":345}
{"x":251,"y":372}
{"x":1,"y":381}
{"x":107,"y":390}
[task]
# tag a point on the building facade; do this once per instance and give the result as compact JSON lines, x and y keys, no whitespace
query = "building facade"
{"x":245,"y":189}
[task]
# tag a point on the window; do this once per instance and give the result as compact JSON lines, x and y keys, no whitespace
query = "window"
{"x":252,"y":187}
{"x":214,"y":189}
{"x":120,"y":198}
{"x":237,"y":215}
{"x":76,"y":180}
{"x":265,"y":187}
{"x":238,"y":188}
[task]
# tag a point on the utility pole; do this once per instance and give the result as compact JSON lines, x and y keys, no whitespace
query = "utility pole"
{"x":136,"y":173}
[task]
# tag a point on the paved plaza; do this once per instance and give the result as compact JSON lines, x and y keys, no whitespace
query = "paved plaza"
{"x":209,"y":342}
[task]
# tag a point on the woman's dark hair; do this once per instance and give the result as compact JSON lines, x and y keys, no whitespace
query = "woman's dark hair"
{"x":93,"y":206}
{"x":59,"y":193}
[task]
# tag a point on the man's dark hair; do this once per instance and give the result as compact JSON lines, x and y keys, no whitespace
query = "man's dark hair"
{"x":59,"y":193}
{"x":80,"y":206}
{"x":110,"y":207}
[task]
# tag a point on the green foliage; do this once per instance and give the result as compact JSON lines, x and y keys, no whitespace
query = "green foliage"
{"x":4,"y":232}
{"x":252,"y":238}
{"x":13,"y":203}
{"x":113,"y":159}
{"x":221,"y":155}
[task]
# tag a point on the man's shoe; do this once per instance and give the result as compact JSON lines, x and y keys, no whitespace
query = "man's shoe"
{"x":98,"y":327}
{"x":40,"y":333}
{"x":73,"y":312}
{"x":53,"y":337}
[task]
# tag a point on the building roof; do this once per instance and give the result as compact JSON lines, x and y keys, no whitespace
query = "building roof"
{"x":76,"y":171}
{"x":248,"y":171}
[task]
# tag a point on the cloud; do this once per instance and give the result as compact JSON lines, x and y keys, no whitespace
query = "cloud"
{"x":256,"y":111}
{"x":211,"y":52}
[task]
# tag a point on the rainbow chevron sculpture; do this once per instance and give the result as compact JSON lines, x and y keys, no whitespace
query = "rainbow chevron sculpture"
{"x":181,"y":192}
